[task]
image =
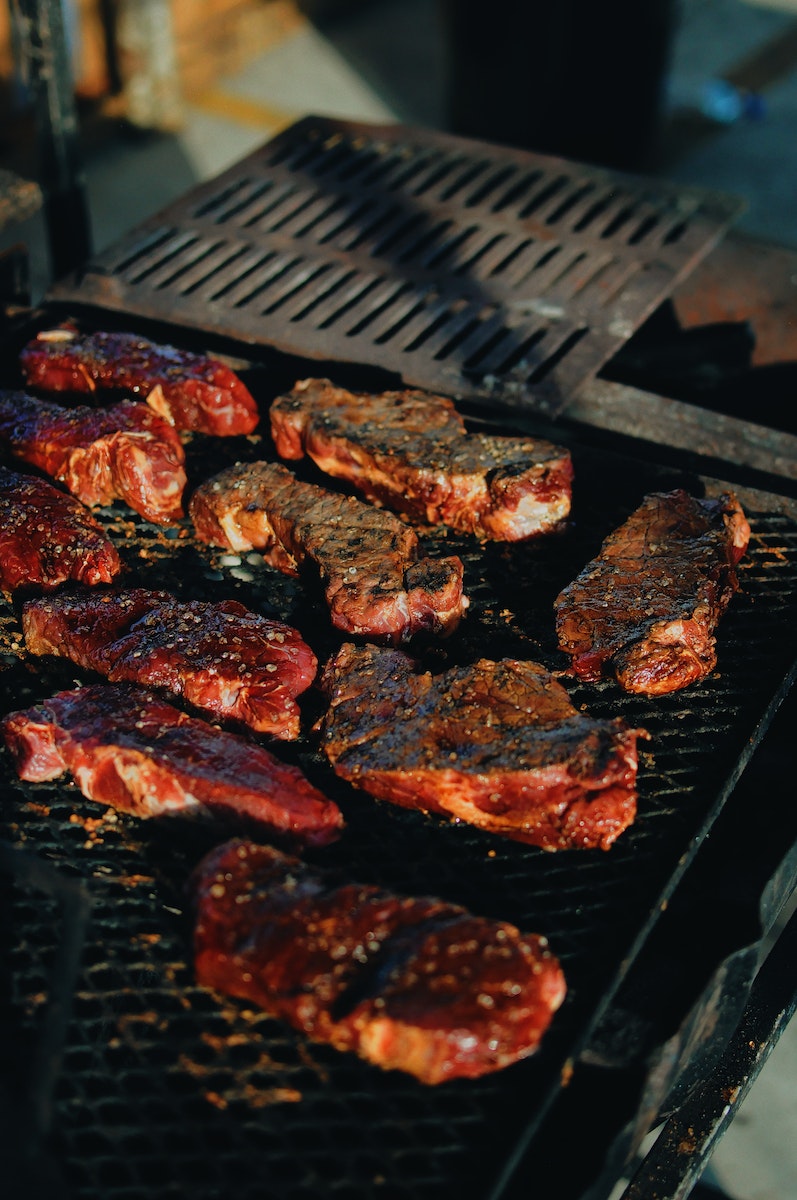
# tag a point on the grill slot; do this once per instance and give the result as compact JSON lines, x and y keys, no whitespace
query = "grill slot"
{"x":509,"y":232}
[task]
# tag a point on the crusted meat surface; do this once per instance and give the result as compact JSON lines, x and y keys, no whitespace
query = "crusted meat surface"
{"x":411,"y":452}
{"x":416,"y":984}
{"x":224,"y":658}
{"x":48,"y":538}
{"x":367,"y":560}
{"x":646,"y":608}
{"x":128,"y":748}
{"x":192,"y":391}
{"x":496,"y":744}
{"x":126,"y":452}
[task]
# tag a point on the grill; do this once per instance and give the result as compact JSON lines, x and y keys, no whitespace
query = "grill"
{"x":167,"y":1088}
{"x":462,"y":267}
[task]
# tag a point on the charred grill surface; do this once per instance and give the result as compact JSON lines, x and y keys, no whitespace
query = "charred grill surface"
{"x":222,"y":658}
{"x":415,"y":984}
{"x":411,"y":452}
{"x":48,"y":538}
{"x":497,"y":744}
{"x":375,"y":582}
{"x":646,"y":608}
{"x":192,"y":391}
{"x":126,"y":452}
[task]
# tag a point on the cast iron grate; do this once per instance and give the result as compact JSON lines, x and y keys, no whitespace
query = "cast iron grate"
{"x":167,"y":1087}
{"x":468,"y":268}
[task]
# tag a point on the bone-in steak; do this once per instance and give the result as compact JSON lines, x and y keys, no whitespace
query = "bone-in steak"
{"x":223,"y":658}
{"x":375,"y":583}
{"x":411,"y":452}
{"x":126,"y":452}
{"x":48,"y":538}
{"x":646,"y":608}
{"x":497,"y":744}
{"x":127,"y":748}
{"x":416,"y":984}
{"x":192,"y":391}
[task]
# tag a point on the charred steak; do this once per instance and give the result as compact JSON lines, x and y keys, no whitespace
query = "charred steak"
{"x":223,"y":658}
{"x":126,"y":452}
{"x":646,"y":608}
{"x":496,"y":744}
{"x":411,"y":452}
{"x":192,"y":391}
{"x":375,"y":584}
{"x":48,"y":538}
{"x":417,"y":984}
{"x":127,"y":748}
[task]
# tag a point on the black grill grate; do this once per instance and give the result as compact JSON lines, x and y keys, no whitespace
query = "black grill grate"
{"x":471,"y":269}
{"x":168,"y":1088}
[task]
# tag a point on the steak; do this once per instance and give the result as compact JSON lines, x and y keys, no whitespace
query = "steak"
{"x":496,"y":744}
{"x":126,"y":452}
{"x":222,"y":658}
{"x":416,"y":984}
{"x":48,"y":538}
{"x":367,"y":560}
{"x":192,"y":391}
{"x":411,"y":452}
{"x":646,"y":608}
{"x":128,"y":748}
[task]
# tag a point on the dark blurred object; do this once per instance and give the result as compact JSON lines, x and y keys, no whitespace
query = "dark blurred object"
{"x":572,"y":78}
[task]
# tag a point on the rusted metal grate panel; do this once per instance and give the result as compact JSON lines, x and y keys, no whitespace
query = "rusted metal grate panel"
{"x":463,"y":267}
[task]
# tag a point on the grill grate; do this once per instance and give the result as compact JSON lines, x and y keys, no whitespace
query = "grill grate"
{"x":168,"y":1086}
{"x":476,"y":270}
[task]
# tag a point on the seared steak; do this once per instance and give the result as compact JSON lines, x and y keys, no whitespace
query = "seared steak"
{"x":126,"y":452}
{"x":646,"y":608}
{"x":48,"y":538}
{"x":497,"y":744}
{"x":417,"y":984}
{"x":375,"y":584}
{"x":411,"y":452}
{"x":127,"y":748}
{"x":223,"y":657}
{"x":192,"y":391}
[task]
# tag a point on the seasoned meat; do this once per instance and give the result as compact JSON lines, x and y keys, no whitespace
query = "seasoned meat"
{"x":126,"y":452}
{"x":497,"y":744}
{"x":416,"y":984}
{"x":222,"y":657}
{"x":646,"y":608}
{"x":127,"y":748}
{"x":192,"y":391}
{"x":411,"y":452}
{"x":375,"y":584}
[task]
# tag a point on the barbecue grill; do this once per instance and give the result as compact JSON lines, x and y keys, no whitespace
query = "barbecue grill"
{"x":506,"y":280}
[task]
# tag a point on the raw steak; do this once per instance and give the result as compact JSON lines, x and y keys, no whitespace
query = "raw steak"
{"x":192,"y":391}
{"x":127,"y":748}
{"x":646,"y":608}
{"x":411,"y":452}
{"x":48,"y":538}
{"x":417,"y":984}
{"x":126,"y":452}
{"x":222,"y":657}
{"x":375,"y":584}
{"x":497,"y":744}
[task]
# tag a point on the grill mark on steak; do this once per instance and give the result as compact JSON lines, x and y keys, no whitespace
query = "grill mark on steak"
{"x":646,"y":608}
{"x":48,"y":538}
{"x":126,"y":452}
{"x":223,"y":658}
{"x":410,"y":983}
{"x":496,"y":744}
{"x":191,"y":391}
{"x":411,"y":452}
{"x":128,"y":748}
{"x":367,"y":559}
